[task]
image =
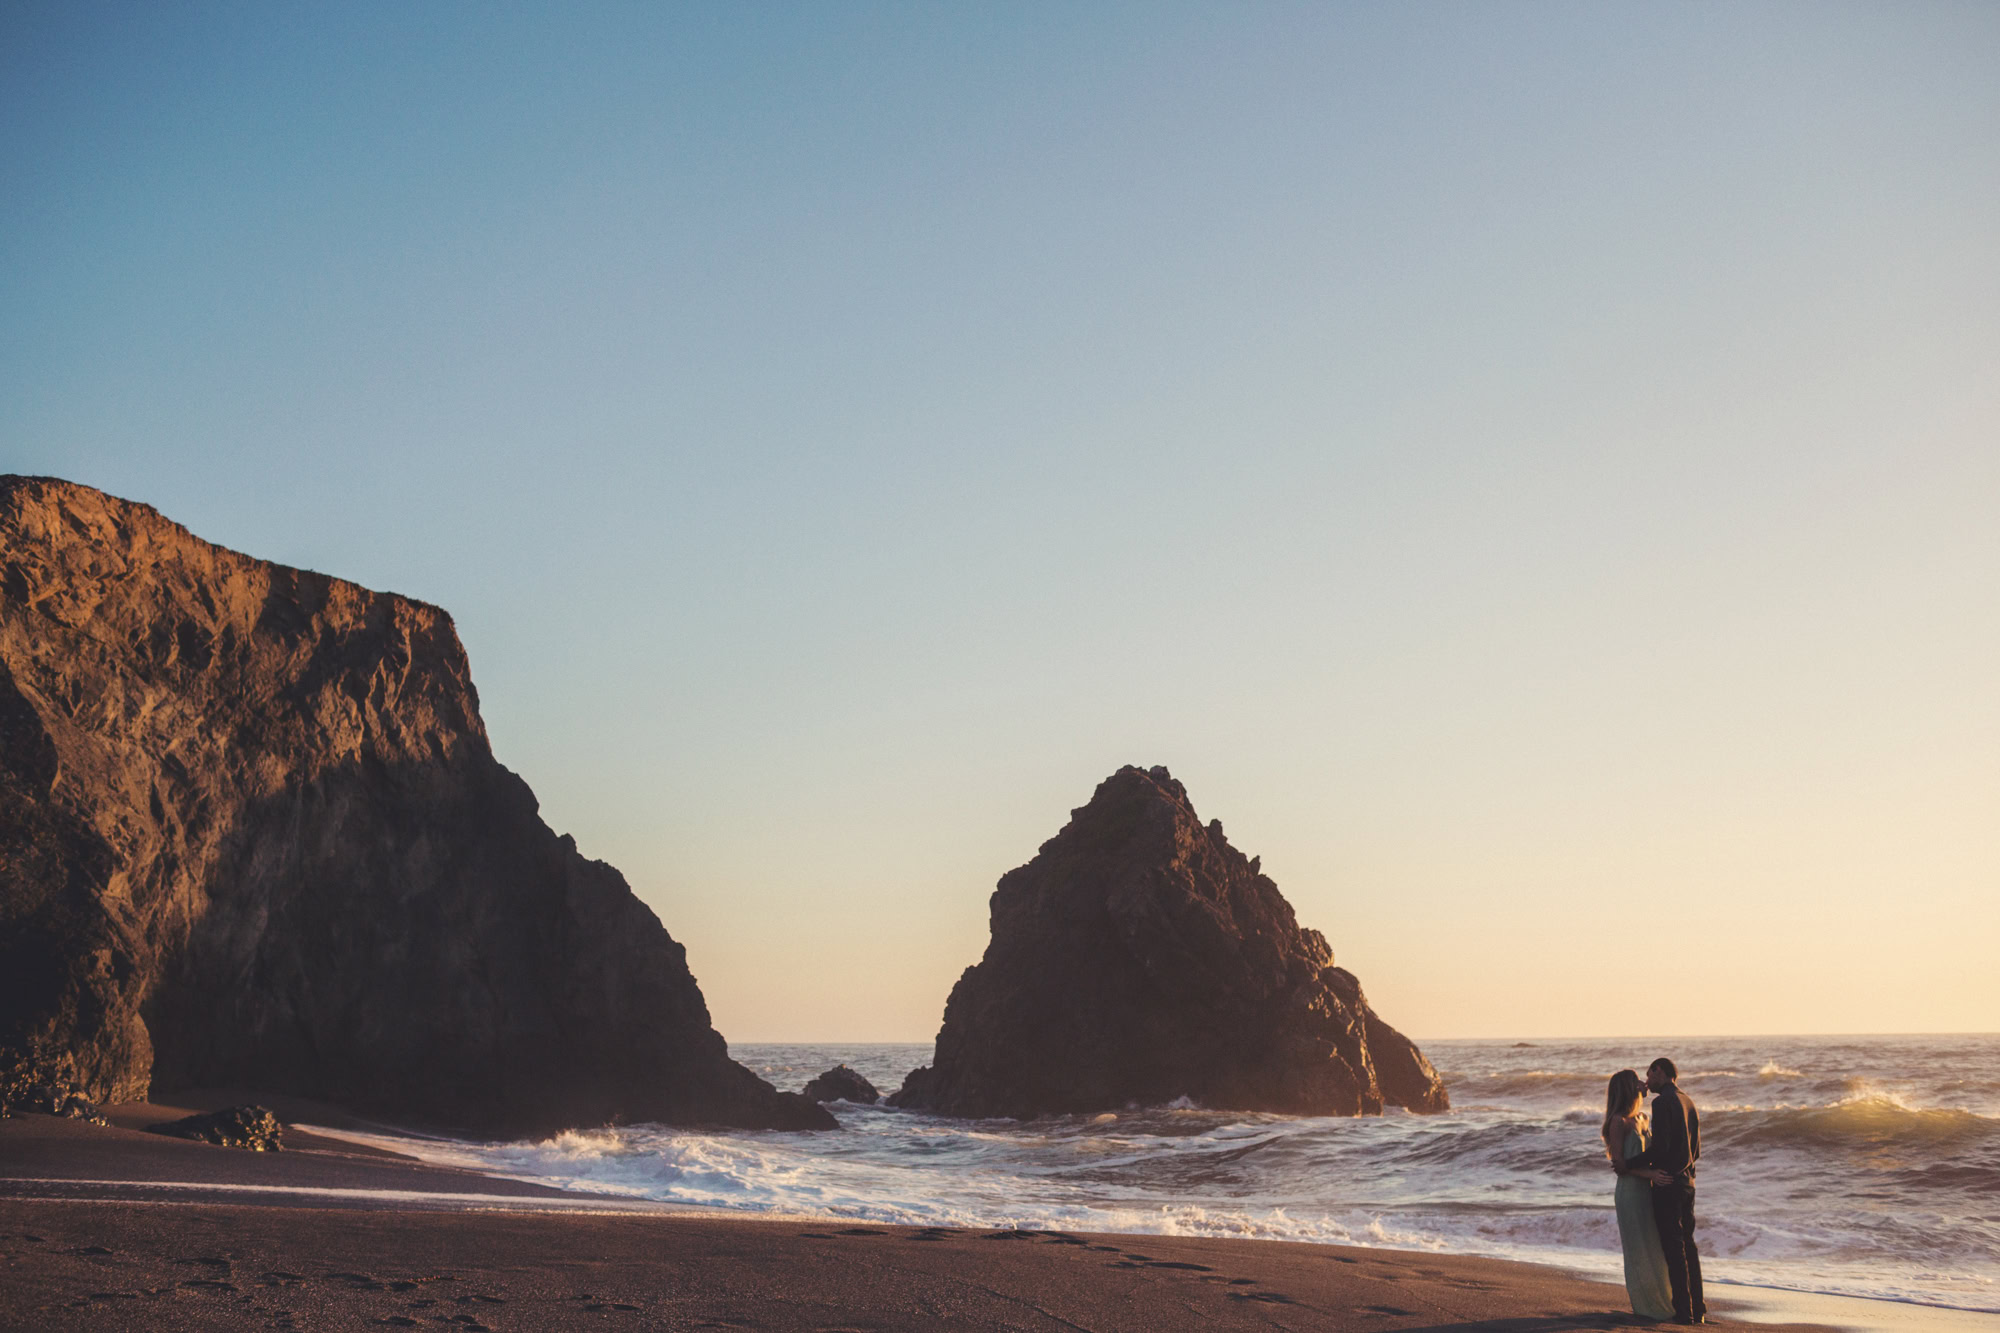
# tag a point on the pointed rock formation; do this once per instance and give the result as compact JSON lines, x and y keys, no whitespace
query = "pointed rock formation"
{"x":1140,"y":958}
{"x":252,"y":835}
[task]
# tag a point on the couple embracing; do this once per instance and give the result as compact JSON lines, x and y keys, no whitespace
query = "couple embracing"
{"x":1654,"y":1158}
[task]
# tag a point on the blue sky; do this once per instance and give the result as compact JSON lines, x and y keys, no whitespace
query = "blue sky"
{"x":1528,"y":469}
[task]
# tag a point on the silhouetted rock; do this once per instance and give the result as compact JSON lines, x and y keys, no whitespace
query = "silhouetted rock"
{"x":841,"y":1084}
{"x":1140,"y":958}
{"x":252,"y":1127}
{"x":252,"y":835}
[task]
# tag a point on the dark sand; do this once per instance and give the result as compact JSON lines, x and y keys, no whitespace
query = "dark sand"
{"x":120,"y":1229}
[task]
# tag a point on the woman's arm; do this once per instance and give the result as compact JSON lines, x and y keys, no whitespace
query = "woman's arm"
{"x":1614,"y":1142}
{"x":1640,"y":1165}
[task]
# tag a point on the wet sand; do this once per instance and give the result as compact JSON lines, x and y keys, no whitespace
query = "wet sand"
{"x":121,"y":1229}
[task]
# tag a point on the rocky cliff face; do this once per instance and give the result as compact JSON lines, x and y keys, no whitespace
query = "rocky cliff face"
{"x":1140,"y":958}
{"x":252,"y":834}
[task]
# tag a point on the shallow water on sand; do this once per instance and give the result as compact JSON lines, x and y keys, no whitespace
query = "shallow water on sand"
{"x":1866,"y":1166}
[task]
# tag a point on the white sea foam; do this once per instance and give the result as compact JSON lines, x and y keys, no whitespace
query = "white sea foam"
{"x":1828,"y":1188}
{"x":457,"y":1200}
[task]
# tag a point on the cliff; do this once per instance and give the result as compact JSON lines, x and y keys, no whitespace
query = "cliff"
{"x":252,"y":835}
{"x":1141,"y":958}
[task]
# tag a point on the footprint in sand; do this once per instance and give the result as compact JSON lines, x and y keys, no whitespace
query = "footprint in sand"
{"x":355,"y":1281}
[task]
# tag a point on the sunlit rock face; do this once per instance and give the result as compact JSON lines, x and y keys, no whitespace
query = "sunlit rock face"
{"x":1139,"y":958}
{"x":252,"y":835}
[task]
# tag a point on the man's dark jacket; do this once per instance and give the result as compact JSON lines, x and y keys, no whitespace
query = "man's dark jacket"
{"x":1676,"y":1144}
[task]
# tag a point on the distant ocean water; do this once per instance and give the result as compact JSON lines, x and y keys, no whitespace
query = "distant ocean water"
{"x":1862,"y":1166}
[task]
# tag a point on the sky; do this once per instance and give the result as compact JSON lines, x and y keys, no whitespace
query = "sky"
{"x":1531,"y":471}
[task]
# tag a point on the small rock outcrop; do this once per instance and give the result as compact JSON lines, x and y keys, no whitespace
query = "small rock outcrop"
{"x":1139,"y":958}
{"x":37,"y":1081}
{"x":252,"y":835}
{"x":841,"y":1084}
{"x":251,"y":1127}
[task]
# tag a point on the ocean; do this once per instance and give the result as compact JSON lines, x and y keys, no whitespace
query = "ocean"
{"x":1859,"y":1166}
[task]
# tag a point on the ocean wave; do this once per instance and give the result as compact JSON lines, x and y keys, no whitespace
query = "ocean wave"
{"x":1860,"y":1167}
{"x":934,"y":1172}
{"x":1973,"y":1179}
{"x":1532,"y":1082}
{"x":1872,"y":1120}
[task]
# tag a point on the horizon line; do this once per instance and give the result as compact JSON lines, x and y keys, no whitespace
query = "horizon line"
{"x":1644,"y":1036}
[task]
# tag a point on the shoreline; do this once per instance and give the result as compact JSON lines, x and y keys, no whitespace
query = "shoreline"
{"x":118,"y":1228}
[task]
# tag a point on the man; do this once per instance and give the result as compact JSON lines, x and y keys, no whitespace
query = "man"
{"x":1669,"y":1163}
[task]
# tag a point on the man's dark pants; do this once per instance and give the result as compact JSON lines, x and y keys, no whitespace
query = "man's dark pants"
{"x":1673,"y":1210}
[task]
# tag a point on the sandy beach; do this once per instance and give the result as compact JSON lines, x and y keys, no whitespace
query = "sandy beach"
{"x":116,"y":1228}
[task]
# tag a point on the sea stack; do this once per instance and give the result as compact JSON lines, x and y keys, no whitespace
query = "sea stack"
{"x":252,"y":836}
{"x":841,"y":1084}
{"x":1138,"y":959}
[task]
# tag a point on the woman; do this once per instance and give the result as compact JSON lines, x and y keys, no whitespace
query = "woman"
{"x":1625,"y":1135}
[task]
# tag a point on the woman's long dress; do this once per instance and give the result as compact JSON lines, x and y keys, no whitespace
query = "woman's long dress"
{"x":1645,"y":1263}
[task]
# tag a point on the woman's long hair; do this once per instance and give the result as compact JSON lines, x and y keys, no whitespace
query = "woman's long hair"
{"x":1625,"y":1097}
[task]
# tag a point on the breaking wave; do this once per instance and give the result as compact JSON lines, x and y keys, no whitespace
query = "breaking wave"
{"x":1869,"y":1120}
{"x":1863,"y":1175}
